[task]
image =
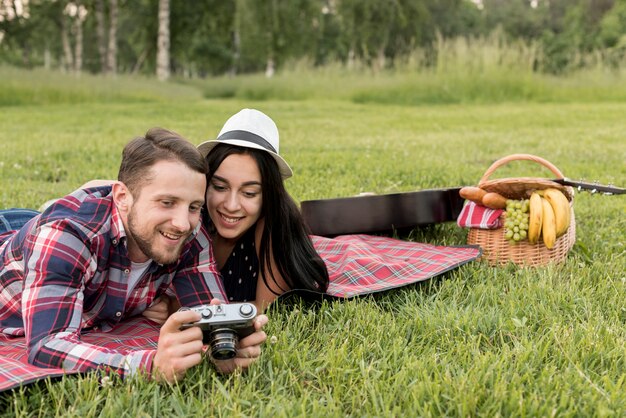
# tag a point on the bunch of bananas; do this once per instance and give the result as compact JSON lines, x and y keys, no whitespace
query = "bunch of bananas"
{"x":549,"y":216}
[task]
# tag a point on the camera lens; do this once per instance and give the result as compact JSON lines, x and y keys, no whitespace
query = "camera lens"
{"x":223,"y":344}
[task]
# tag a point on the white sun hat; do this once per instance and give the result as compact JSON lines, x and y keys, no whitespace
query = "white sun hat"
{"x":250,"y":128}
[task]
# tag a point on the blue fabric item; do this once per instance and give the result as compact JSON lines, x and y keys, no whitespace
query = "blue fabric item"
{"x":15,"y":218}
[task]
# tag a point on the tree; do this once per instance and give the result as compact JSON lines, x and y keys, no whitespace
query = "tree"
{"x":30,"y":32}
{"x":68,"y":56}
{"x":111,"y":64}
{"x":613,"y":26}
{"x":101,"y":34}
{"x":377,"y":31}
{"x":72,"y":19}
{"x":75,"y":13}
{"x":204,"y":37}
{"x":275,"y":31}
{"x":163,"y":41}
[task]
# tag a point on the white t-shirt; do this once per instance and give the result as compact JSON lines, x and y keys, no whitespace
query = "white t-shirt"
{"x":136,"y":271}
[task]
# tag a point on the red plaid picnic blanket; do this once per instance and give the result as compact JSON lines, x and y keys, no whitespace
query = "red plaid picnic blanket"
{"x":135,"y":334}
{"x":477,"y":216}
{"x":362,"y":264}
{"x":357,"y":265}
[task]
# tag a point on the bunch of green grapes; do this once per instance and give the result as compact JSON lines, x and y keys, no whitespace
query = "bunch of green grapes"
{"x":516,"y":223}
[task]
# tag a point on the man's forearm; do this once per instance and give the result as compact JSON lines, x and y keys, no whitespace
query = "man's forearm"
{"x":66,"y":351}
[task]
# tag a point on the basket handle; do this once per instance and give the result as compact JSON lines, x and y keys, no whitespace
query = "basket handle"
{"x":521,"y":157}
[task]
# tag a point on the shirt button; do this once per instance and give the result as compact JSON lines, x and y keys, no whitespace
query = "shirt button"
{"x":126,"y":271}
{"x":118,"y":314}
{"x":114,"y":241}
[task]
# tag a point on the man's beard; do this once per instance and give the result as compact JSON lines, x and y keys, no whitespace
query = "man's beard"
{"x":145,"y":244}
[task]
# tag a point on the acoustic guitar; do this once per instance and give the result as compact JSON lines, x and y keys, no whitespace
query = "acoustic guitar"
{"x":366,"y":214}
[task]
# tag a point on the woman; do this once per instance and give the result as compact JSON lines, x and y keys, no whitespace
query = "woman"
{"x":260,"y":241}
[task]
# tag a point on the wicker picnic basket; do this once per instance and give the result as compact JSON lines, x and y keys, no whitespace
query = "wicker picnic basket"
{"x":497,"y":250}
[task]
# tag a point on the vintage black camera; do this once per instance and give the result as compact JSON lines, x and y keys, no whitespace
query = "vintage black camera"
{"x":223,"y":325}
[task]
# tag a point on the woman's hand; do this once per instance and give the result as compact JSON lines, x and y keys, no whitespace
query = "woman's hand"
{"x":160,"y":309}
{"x":248,"y":349}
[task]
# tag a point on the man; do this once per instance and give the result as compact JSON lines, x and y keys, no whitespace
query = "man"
{"x":103,"y":254}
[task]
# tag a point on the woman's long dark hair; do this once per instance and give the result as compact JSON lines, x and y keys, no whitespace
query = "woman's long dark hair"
{"x":285,"y":235}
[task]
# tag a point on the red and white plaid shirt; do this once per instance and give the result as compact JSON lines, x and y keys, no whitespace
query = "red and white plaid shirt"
{"x":66,"y":271}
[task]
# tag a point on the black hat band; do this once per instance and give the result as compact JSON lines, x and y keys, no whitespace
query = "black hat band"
{"x":247,"y":136}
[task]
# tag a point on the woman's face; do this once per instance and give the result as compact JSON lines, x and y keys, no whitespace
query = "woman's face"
{"x":234,"y":196}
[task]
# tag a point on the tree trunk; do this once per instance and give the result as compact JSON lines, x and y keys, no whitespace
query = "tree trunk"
{"x":78,"y":47}
{"x":78,"y":40}
{"x":46,"y":58}
{"x":26,"y":55}
{"x":140,"y":60}
{"x":112,"y":49}
{"x":234,"y":67}
{"x":101,"y":35}
{"x":270,"y":67}
{"x":351,"y":64}
{"x":68,"y":58}
{"x":236,"y":54}
{"x":380,"y":59}
{"x":163,"y":41}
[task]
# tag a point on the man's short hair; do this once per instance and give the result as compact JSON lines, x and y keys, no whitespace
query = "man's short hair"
{"x":158,"y":144}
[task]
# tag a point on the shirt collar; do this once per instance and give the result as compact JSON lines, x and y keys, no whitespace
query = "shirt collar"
{"x":117,"y":226}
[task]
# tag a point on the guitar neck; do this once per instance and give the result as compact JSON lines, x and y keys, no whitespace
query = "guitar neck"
{"x":591,"y":187}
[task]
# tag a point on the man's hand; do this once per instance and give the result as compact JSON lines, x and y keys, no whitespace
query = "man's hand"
{"x":177,"y":350}
{"x":160,"y":310}
{"x":248,"y":349}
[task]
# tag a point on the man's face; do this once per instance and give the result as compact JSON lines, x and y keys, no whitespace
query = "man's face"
{"x":164,"y":212}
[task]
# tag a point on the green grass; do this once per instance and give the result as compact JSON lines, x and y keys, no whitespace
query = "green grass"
{"x":38,"y":87}
{"x":479,"y":341}
{"x":421,"y":88}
